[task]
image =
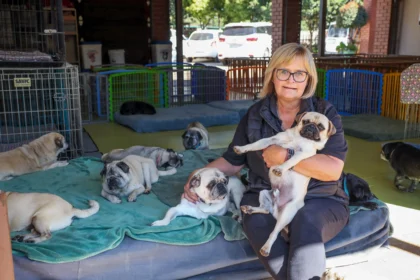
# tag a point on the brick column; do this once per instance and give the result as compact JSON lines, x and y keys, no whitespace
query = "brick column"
{"x":375,"y":34}
{"x":383,"y":18}
{"x":277,"y":21}
{"x":160,"y":20}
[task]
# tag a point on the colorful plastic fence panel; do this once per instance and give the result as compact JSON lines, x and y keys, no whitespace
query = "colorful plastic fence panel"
{"x":150,"y":86}
{"x":320,"y":87}
{"x":354,"y":91}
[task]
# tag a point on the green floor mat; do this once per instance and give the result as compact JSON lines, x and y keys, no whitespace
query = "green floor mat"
{"x":373,"y":127}
{"x":363,"y":158}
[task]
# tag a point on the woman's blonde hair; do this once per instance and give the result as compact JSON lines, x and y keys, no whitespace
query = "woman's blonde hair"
{"x":284,"y":55}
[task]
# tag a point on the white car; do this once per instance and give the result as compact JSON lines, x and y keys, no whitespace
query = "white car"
{"x":245,"y":39}
{"x":335,"y":36}
{"x":173,"y":41}
{"x":203,"y":44}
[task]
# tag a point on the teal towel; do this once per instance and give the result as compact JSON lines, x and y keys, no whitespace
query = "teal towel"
{"x":80,"y":181}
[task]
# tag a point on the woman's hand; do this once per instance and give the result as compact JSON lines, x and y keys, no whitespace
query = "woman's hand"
{"x":188,"y":194}
{"x":274,"y":155}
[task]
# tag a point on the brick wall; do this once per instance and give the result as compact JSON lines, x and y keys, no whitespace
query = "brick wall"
{"x":375,"y":34}
{"x":160,"y":20}
{"x":277,"y":21}
{"x":292,"y":18}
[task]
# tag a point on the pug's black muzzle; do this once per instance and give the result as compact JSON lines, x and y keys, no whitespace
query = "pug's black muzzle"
{"x":310,"y":131}
{"x":112,"y":183}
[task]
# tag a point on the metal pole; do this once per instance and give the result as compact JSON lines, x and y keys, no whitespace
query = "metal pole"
{"x":179,"y":51}
{"x":322,"y":27}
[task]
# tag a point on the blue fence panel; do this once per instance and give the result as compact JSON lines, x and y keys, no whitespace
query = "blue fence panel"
{"x":354,"y":91}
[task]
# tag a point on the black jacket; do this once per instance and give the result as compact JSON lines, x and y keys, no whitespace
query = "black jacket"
{"x":262,"y":121}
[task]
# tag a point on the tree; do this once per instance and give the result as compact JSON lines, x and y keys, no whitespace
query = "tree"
{"x":204,"y":10}
{"x":354,"y":16}
{"x":310,"y":15}
{"x":333,"y":9}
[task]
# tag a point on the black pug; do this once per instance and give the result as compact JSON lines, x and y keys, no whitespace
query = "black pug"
{"x":359,"y":192}
{"x":405,"y":160}
{"x":137,"y":107}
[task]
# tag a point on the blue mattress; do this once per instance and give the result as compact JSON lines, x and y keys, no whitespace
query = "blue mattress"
{"x":240,"y":106}
{"x":178,"y":118}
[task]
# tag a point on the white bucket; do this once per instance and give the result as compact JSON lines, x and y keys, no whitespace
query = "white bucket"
{"x":91,"y":54}
{"x":116,"y":56}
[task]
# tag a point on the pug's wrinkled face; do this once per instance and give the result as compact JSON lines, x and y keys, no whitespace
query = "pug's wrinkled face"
{"x":315,"y":126}
{"x":115,"y":176}
{"x":191,"y":139}
{"x":210,"y":184}
{"x":175,"y":159}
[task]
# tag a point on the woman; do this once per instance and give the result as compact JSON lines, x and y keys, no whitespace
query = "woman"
{"x":290,"y":82}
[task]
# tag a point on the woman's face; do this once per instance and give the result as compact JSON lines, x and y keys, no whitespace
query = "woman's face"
{"x":290,"y":89}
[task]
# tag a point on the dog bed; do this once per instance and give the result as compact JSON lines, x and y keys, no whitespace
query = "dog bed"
{"x":373,"y":127}
{"x":240,"y":106}
{"x":134,"y":257}
{"x":178,"y":118}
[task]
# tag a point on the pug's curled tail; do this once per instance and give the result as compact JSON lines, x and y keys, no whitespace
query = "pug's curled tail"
{"x":94,"y":208}
{"x":167,"y":172}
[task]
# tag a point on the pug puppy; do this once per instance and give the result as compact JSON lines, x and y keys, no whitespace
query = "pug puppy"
{"x":405,"y":160}
{"x":196,"y":137}
{"x":217,"y":194}
{"x":40,"y":154}
{"x":132,"y":176}
{"x":165,"y":158}
{"x":44,"y":213}
{"x":289,"y":187}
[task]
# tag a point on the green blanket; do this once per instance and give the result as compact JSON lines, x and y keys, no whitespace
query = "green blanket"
{"x":80,"y":181}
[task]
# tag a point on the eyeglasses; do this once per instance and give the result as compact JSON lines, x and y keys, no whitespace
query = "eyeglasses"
{"x":284,"y":75}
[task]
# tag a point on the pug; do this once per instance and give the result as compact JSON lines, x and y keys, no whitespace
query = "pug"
{"x":44,"y":213}
{"x":196,"y":137}
{"x":137,"y":108}
{"x":405,"y":160}
{"x":217,"y":194}
{"x":359,"y":192}
{"x":289,"y":187}
{"x":40,"y":154}
{"x":132,"y":176}
{"x":163,"y":158}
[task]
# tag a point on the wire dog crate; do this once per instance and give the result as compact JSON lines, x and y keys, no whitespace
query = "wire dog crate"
{"x":36,"y":101}
{"x":93,"y":97}
{"x":31,"y":33}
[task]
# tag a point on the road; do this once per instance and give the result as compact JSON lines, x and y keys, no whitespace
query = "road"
{"x":209,"y":62}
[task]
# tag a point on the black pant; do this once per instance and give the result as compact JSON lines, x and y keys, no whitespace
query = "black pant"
{"x":304,"y":257}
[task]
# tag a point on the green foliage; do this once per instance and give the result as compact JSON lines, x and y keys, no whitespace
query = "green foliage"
{"x":352,"y":15}
{"x":333,"y":7}
{"x":343,"y":48}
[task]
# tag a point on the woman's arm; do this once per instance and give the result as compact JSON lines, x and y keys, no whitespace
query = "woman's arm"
{"x":320,"y":166}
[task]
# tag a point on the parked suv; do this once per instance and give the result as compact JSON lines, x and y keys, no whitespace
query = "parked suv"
{"x":245,"y":39}
{"x":335,"y":36}
{"x":202,"y":43}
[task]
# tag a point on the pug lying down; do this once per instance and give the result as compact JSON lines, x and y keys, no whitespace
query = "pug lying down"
{"x":217,"y":194}
{"x":132,"y":176}
{"x":43,"y":212}
{"x":289,"y":187}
